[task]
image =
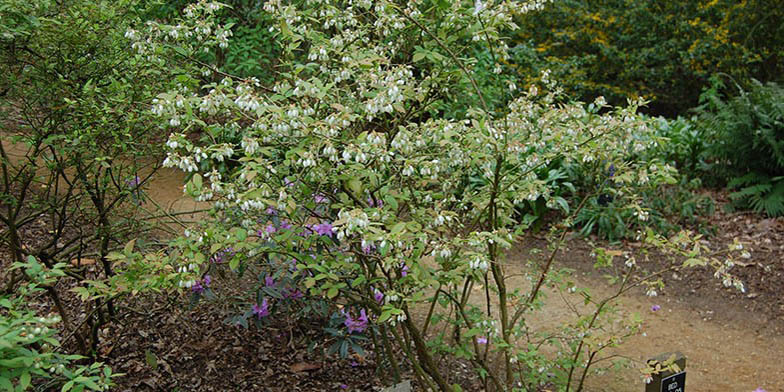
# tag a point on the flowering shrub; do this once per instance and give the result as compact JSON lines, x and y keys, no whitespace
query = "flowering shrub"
{"x":349,"y":189}
{"x":30,"y":353}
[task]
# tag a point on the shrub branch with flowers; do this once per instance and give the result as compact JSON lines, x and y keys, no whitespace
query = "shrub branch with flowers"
{"x":352,"y":196}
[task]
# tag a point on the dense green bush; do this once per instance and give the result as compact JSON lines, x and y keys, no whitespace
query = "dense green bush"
{"x":664,"y":51}
{"x":77,"y":154}
{"x":747,"y":135}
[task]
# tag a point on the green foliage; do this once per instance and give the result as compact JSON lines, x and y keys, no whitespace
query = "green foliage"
{"x":75,"y":112}
{"x":748,"y":143}
{"x":30,"y":352}
{"x":759,"y":193}
{"x":664,"y":51}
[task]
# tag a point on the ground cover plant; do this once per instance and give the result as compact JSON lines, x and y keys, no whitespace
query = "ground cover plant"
{"x":346,"y":194}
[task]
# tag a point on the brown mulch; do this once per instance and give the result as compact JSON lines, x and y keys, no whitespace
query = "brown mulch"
{"x":176,"y":348}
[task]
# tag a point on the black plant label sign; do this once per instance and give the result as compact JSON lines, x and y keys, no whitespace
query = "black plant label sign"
{"x":674,"y":383}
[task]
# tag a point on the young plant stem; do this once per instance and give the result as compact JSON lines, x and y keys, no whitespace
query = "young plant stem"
{"x":390,"y":354}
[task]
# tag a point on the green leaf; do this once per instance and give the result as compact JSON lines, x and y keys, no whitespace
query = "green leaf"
{"x":6,"y":383}
{"x":355,"y":186}
{"x":67,"y":387}
{"x":358,"y":281}
{"x":18,"y":362}
{"x":419,"y":56}
{"x":151,"y":359}
{"x":397,"y":228}
{"x":129,"y":246}
{"x":24,"y":380}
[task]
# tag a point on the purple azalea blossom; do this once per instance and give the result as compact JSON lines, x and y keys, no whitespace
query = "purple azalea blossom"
{"x":323,"y":229}
{"x":223,"y":255}
{"x":378,"y":296}
{"x":367,"y":249}
{"x":261,"y":311}
{"x":294,"y":294}
{"x":371,"y":202}
{"x":200,"y":285}
{"x":356,"y":325}
{"x":320,"y":199}
{"x":655,"y":308}
{"x":481,"y":340}
{"x":133,"y":182}
{"x":404,"y":270}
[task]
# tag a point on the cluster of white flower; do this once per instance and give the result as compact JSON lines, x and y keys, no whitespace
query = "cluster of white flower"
{"x":351,"y":222}
{"x":478,"y":263}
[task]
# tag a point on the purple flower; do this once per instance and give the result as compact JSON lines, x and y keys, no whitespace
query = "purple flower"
{"x":367,"y":249}
{"x":354,"y":364}
{"x":133,"y":182}
{"x":323,"y":229}
{"x":288,"y":182}
{"x":200,"y":285}
{"x":404,"y":270}
{"x":320,"y":199}
{"x":358,"y":325}
{"x":270,"y":228}
{"x":294,"y":294}
{"x":222,"y":255}
{"x":371,"y":202}
{"x":611,"y":170}
{"x":655,"y":308}
{"x":481,"y":340}
{"x":269,"y":281}
{"x":197,"y":287}
{"x":760,"y":390}
{"x":343,"y":386}
{"x":378,"y":296}
{"x":285,"y":225}
{"x":271,"y":211}
{"x":261,"y":311}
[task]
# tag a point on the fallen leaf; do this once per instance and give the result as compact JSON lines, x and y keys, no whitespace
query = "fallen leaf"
{"x":303,"y":366}
{"x":83,"y":261}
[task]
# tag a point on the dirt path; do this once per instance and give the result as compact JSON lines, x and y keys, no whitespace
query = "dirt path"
{"x":737,"y":351}
{"x":720,"y":357}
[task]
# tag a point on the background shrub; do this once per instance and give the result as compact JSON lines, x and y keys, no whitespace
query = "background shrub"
{"x":747,"y":133}
{"x":664,"y":51}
